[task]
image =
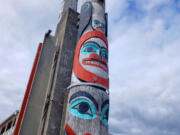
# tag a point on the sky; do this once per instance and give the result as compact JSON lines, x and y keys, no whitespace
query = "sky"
{"x":144,"y":45}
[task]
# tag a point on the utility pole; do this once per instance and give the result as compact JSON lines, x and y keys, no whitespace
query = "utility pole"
{"x":68,"y":89}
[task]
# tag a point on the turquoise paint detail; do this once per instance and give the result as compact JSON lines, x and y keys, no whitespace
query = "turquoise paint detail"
{"x":104,"y":53}
{"x":97,"y":22}
{"x":76,"y":113}
{"x":90,"y":48}
{"x":103,"y":26}
{"x":88,"y":6}
{"x":104,"y":120}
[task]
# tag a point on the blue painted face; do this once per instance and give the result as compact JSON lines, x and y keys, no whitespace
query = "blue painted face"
{"x":90,"y":48}
{"x":88,"y":108}
{"x":98,"y":25}
{"x":83,"y":109}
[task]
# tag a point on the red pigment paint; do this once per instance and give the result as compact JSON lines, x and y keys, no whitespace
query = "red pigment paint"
{"x":87,"y":134}
{"x":82,"y":73}
{"x":69,"y":130}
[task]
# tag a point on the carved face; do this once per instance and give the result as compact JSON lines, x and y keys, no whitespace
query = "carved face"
{"x":94,"y":57}
{"x":98,"y":20}
{"x":98,"y":24}
{"x":91,"y":58}
{"x":87,"y":111}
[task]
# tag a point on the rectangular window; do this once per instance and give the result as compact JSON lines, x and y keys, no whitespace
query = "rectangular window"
{"x":9,"y":126}
{"x":3,"y":129}
{"x":14,"y":122}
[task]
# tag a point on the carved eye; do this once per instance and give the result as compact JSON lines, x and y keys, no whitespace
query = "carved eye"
{"x":83,"y":109}
{"x":105,"y":115}
{"x":96,"y":22}
{"x":90,"y":48}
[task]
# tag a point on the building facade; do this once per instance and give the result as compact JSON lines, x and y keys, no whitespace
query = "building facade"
{"x":7,"y":126}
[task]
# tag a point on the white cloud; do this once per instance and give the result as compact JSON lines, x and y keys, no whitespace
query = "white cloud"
{"x":144,"y":71}
{"x":144,"y":60}
{"x":151,"y":4}
{"x":23,"y":25}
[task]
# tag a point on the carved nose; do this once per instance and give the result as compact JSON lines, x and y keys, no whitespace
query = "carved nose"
{"x":94,"y":56}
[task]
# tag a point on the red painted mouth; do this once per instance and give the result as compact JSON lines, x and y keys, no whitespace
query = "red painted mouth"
{"x":71,"y":132}
{"x":96,"y":63}
{"x":100,"y":28}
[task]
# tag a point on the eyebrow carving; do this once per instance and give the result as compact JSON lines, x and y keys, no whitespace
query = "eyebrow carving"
{"x":105,"y":103}
{"x":84,"y":94}
{"x":93,"y":42}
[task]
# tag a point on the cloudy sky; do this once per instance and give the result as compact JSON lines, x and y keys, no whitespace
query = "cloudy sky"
{"x":144,"y":40}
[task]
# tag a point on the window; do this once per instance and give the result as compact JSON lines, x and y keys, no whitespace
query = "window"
{"x":3,"y":129}
{"x":9,"y":126}
{"x":14,"y":122}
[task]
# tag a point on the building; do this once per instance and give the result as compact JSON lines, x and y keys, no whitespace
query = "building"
{"x":7,"y":127}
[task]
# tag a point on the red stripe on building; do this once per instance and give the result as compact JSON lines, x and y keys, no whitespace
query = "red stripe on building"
{"x":28,"y":90}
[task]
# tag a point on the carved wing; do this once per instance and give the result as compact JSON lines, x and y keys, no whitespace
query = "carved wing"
{"x":85,"y":17}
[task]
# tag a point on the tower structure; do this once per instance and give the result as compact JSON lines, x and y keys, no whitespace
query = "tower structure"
{"x":68,"y":89}
{"x":65,"y":5}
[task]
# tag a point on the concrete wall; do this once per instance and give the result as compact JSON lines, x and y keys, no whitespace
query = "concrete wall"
{"x":66,"y":36}
{"x":35,"y":106}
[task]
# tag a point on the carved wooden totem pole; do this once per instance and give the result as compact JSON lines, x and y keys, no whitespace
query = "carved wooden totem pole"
{"x":87,"y":104}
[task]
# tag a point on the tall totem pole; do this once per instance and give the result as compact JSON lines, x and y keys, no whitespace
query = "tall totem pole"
{"x":87,"y":104}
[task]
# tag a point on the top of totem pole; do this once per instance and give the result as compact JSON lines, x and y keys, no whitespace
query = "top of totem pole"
{"x":101,"y":2}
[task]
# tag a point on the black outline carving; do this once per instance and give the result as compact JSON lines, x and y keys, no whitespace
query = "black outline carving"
{"x":84,"y":94}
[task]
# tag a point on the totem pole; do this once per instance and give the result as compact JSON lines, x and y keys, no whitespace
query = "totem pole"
{"x":87,"y":103}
